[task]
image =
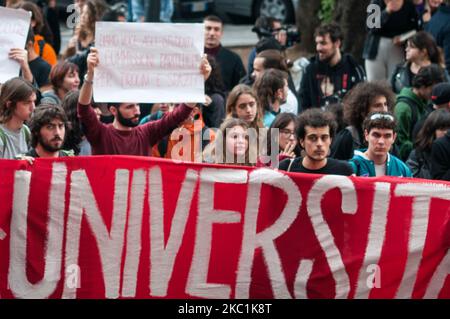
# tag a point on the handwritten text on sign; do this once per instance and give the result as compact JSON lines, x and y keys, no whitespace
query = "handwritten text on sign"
{"x":14,"y":26}
{"x":149,"y":62}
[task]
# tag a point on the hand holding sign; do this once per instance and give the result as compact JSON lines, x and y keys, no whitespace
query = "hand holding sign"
{"x":92,"y":61}
{"x":19,"y":55}
{"x":14,"y":24}
{"x":205,"y":67}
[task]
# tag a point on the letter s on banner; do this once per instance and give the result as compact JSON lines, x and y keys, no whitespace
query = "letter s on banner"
{"x":323,"y":232}
{"x":265,"y":239}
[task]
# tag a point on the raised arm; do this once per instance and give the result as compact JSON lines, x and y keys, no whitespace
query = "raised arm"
{"x":85,"y":97}
{"x":205,"y":70}
{"x":21,"y":56}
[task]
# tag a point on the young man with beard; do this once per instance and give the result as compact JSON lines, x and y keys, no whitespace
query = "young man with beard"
{"x":49,"y":126}
{"x":379,"y":132}
{"x":124,"y":136}
{"x":315,"y":131}
{"x":331,"y":74}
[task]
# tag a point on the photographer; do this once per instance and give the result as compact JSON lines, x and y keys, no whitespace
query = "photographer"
{"x":267,"y":29}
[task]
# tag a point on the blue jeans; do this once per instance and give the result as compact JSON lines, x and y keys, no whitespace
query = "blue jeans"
{"x":138,"y":10}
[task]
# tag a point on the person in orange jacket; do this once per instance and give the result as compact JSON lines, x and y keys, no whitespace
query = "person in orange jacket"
{"x":44,"y":50}
{"x":187,"y":142}
{"x":41,"y":46}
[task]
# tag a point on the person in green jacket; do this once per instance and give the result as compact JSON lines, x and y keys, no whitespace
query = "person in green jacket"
{"x":412,"y":105}
{"x":379,"y":132}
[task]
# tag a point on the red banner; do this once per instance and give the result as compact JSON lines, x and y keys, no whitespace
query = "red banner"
{"x":130,"y":227}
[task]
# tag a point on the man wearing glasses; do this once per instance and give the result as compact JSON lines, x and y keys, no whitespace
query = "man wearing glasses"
{"x":379,"y":132}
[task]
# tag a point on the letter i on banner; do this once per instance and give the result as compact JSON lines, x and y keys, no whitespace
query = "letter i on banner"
{"x":162,"y":256}
{"x":377,"y":233}
{"x":422,"y":195}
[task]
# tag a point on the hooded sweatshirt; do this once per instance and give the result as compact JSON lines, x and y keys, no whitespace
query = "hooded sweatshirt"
{"x":407,"y":100}
{"x":343,"y":77}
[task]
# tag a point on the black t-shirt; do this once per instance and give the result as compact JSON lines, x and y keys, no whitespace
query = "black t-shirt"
{"x":41,"y":71}
{"x":333,"y":167}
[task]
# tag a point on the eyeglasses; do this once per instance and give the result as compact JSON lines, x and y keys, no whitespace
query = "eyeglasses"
{"x":287,"y":132}
{"x":377,"y":116}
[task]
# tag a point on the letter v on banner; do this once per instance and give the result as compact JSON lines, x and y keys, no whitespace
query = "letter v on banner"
{"x":162,"y":256}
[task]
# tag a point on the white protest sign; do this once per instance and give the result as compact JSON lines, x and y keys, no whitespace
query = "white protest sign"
{"x":149,"y":62}
{"x":14,"y":26}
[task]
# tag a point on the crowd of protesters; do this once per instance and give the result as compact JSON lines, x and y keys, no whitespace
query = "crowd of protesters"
{"x":324,"y":115}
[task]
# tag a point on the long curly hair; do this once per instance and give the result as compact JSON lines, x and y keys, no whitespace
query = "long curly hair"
{"x":358,"y":100}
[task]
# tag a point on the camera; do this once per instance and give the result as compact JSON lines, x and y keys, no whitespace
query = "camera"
{"x":292,"y":34}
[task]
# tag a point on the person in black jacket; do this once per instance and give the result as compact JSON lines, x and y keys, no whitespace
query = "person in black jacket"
{"x":331,"y":74}
{"x":383,"y":48}
{"x":435,"y":126}
{"x":213,"y":110}
{"x":440,"y":158}
{"x":439,"y":27}
{"x":421,"y":51}
{"x":230,"y":63}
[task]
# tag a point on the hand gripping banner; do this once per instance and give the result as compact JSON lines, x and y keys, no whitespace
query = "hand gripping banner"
{"x":131,"y":227}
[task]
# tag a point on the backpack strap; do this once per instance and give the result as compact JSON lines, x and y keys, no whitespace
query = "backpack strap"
{"x":3,"y":138}
{"x":67,"y":152}
{"x":355,"y":136}
{"x":26,"y":131}
{"x":41,"y":44}
{"x":290,"y":164}
{"x":414,"y":110}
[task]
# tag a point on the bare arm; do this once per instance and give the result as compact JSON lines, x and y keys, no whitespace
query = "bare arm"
{"x":205,"y":69}
{"x":85,"y":97}
{"x":21,"y":56}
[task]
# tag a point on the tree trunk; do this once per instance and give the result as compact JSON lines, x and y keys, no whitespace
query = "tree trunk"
{"x":307,"y":21}
{"x":351,"y":16}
